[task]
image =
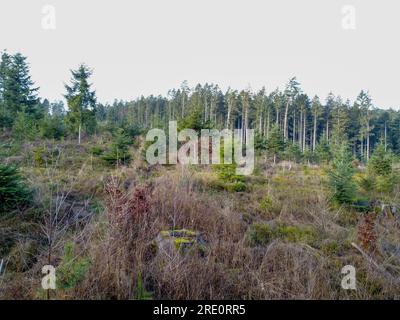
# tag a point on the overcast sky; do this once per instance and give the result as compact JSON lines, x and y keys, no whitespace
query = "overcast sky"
{"x":149,"y":46}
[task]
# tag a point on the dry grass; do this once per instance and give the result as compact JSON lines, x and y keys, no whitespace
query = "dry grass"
{"x":139,"y":203}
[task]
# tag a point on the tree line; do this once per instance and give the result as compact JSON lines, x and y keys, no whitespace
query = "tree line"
{"x":284,"y":120}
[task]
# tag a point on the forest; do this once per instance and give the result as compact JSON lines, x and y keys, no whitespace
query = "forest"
{"x":77,"y":193}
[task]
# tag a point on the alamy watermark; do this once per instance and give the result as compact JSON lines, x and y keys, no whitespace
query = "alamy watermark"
{"x":49,"y":280}
{"x":349,"y":17}
{"x":349,"y":280}
{"x":238,"y":147}
{"x":49,"y":17}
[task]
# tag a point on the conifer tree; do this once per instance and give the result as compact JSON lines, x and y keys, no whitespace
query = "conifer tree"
{"x":81,"y":102}
{"x":341,"y":175}
{"x":275,"y":142}
{"x":17,"y":91}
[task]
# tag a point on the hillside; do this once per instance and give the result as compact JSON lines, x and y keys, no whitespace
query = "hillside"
{"x":84,"y":215}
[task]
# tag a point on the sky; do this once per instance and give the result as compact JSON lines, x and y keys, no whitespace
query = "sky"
{"x":143,"y":47}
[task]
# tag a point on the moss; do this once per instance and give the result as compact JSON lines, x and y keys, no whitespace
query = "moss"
{"x":165,"y":233}
{"x":178,"y":233}
{"x":181,"y":243}
{"x":183,"y":239}
{"x":185,"y":232}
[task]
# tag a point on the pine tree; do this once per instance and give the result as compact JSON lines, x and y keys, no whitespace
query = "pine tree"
{"x":13,"y":190}
{"x":291,"y":91}
{"x":341,"y":175}
{"x":323,"y":151}
{"x":316,"y":111}
{"x":17,"y":91}
{"x":365,"y":103}
{"x":380,"y":162}
{"x":275,"y":142}
{"x":81,"y":102}
{"x":119,"y":153}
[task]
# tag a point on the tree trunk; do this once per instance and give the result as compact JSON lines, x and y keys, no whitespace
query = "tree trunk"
{"x":314,"y":132}
{"x":301,"y":130}
{"x":183,"y":105}
{"x":285,"y":133}
{"x":294,"y":127}
{"x":205,"y":109}
{"x":362,"y":148}
{"x":327,"y":130}
{"x":385,"y":137}
{"x":304,"y":132}
{"x":367,"y":135}
{"x":229,"y":114}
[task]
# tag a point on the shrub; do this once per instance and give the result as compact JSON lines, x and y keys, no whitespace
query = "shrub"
{"x":13,"y":190}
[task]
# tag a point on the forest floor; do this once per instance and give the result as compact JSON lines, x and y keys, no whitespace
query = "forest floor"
{"x":183,"y":232}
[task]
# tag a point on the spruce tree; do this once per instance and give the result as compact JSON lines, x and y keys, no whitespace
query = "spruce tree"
{"x":17,"y":91}
{"x":275,"y":143}
{"x":380,"y":162}
{"x":341,"y":176}
{"x":81,"y":102}
{"x":13,"y":190}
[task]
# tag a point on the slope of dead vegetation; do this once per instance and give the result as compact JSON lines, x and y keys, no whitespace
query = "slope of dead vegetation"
{"x":177,"y":232}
